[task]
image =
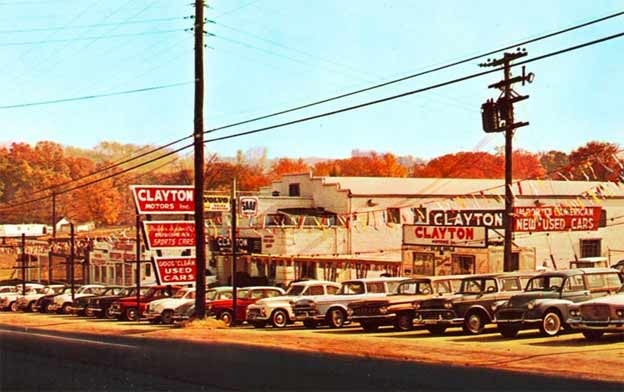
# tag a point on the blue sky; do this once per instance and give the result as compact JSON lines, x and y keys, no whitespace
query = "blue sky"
{"x":269,"y":55}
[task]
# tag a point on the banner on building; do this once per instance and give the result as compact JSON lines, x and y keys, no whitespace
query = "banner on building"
{"x":216,"y":203}
{"x":169,"y":234}
{"x":458,"y":236}
{"x":171,"y":270}
{"x":163,"y":199}
{"x":532,"y":219}
{"x":487,"y":218}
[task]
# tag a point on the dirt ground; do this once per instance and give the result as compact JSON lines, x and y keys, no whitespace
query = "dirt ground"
{"x":568,"y":355}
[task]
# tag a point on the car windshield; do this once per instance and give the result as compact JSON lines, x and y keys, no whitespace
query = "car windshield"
{"x":351,"y":288}
{"x":242,"y":293}
{"x":110,"y":291}
{"x":295,"y":290}
{"x":545,"y":283}
{"x":421,"y":288}
{"x":181,"y":293}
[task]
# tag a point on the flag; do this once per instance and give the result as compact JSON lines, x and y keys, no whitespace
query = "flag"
{"x":519,"y":188}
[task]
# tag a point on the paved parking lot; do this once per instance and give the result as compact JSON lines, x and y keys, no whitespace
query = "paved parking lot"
{"x":568,"y":355}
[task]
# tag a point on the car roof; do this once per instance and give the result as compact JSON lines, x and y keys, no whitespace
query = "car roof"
{"x":380,"y":279}
{"x":576,"y":271}
{"x":313,"y":281}
{"x":259,"y":288}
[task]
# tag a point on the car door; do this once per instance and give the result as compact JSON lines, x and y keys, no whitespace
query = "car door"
{"x":575,"y":289}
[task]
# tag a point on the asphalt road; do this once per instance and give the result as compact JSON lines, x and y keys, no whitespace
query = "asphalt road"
{"x":32,"y":359}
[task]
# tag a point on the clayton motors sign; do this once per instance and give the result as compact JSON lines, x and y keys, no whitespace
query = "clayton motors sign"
{"x":169,"y":234}
{"x":488,"y":218}
{"x":163,"y":199}
{"x":464,"y":236}
{"x":175,"y":269}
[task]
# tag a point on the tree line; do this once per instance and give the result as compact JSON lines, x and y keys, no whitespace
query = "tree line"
{"x":35,"y":172}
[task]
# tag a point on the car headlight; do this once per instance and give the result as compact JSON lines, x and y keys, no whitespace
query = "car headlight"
{"x":350,"y":312}
{"x":448,"y":305}
{"x":574,"y":313}
{"x":383,"y":309}
{"x":531,"y":305}
{"x":416,"y":305}
{"x":619,"y":312}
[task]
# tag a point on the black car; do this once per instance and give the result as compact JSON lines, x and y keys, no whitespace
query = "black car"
{"x":79,"y":307}
{"x":100,"y":306}
{"x":43,"y":303}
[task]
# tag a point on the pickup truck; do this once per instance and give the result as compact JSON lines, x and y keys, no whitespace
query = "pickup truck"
{"x":332,"y":309}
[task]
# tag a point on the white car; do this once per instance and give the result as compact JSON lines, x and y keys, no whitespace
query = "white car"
{"x":163,"y":310}
{"x":333,"y":309}
{"x":27,"y":302}
{"x":62,"y":303}
{"x":279,"y":311}
{"x":8,"y":300}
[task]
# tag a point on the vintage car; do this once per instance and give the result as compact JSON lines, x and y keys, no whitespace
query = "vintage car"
{"x":28,"y":301}
{"x":80,"y":306}
{"x":162,"y":310}
{"x":62,"y":303}
{"x":126,"y":308}
{"x":545,"y":302}
{"x":471,"y":307}
{"x":397,"y":309}
{"x":100,"y":305}
{"x":187,"y":312}
{"x":332,"y":309}
{"x":597,"y":316}
{"x":619,"y":266}
{"x":44,"y":303}
{"x":8,"y":300}
{"x":223,"y":309}
{"x":7,"y":289}
{"x":278,"y":310}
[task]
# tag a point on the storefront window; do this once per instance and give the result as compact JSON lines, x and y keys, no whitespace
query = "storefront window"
{"x":423,"y":263}
{"x":463,"y":264}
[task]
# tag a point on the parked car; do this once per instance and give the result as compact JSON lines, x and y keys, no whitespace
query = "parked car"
{"x":126,"y":308}
{"x":545,"y":302}
{"x":471,"y":307}
{"x":331,"y":309}
{"x":100,"y":305}
{"x":44,"y":303}
{"x":162,"y":310}
{"x":397,"y":309}
{"x":7,"y":289}
{"x":278,"y":310}
{"x":224,"y":310}
{"x":214,"y":294}
{"x":597,"y":316}
{"x":80,"y":305}
{"x":8,"y":300}
{"x":27,"y":302}
{"x":619,"y":266}
{"x":62,"y":303}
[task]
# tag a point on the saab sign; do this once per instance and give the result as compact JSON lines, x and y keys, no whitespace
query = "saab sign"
{"x":169,"y":234}
{"x":463,"y":237}
{"x":248,"y":205}
{"x":163,"y":199}
{"x":175,"y":269}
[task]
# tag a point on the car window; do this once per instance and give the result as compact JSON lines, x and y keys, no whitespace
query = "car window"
{"x":595,"y":281}
{"x":392,"y":286}
{"x":255,"y":294}
{"x":315,"y":290}
{"x":272,"y":293}
{"x":375,"y":287}
{"x":225,"y":295}
{"x":295,"y":289}
{"x":332,"y":289}
{"x":490,"y":286}
{"x":352,"y":288}
{"x":511,"y":284}
{"x":442,"y":286}
{"x":471,"y":286}
{"x":574,"y":283}
{"x":613,"y":280}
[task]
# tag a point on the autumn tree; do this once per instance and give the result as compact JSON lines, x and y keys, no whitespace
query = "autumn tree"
{"x":526,"y":165}
{"x":287,"y":166}
{"x":370,"y":165}
{"x":466,"y":164}
{"x":553,"y":161}
{"x":596,"y":161}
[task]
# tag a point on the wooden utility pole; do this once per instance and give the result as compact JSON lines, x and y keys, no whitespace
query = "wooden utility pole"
{"x":200,"y":238}
{"x":23,"y":264}
{"x":499,"y":117}
{"x":53,"y":214}
{"x":234,"y":248}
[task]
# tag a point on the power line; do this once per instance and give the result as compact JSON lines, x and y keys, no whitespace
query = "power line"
{"x":94,"y":96}
{"x":89,"y":26}
{"x":331,"y":113}
{"x":50,"y":41}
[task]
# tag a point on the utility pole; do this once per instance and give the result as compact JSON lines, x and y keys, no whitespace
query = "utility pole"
{"x":499,"y":117}
{"x":23,"y":264}
{"x":234,"y":246}
{"x":200,"y":238}
{"x":72,"y":253}
{"x":53,"y":214}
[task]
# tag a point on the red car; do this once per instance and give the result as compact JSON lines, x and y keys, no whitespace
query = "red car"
{"x":126,"y":308}
{"x":222,"y":309}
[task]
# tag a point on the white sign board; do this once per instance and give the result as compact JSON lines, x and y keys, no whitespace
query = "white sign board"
{"x":459,"y":236}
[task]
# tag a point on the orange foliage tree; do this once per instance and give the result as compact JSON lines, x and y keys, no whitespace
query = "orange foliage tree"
{"x":596,"y":161}
{"x":372,"y":165}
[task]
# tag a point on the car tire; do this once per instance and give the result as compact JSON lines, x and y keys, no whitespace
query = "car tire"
{"x":309,"y":324}
{"x":131,"y":314}
{"x":474,"y":323}
{"x":65,"y":308}
{"x":551,"y":323}
{"x":108,"y":313}
{"x":593,"y":335}
{"x":336,"y":318}
{"x":47,"y":308}
{"x":404,"y":322}
{"x":258,"y":324}
{"x":167,"y":316}
{"x":436,"y":330}
{"x":226,"y":317}
{"x":369,"y":327}
{"x":13,"y":306}
{"x":279,"y":318}
{"x":508,"y":331}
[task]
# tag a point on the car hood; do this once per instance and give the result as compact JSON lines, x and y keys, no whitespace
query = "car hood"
{"x":524,"y":298}
{"x":169,"y":303}
{"x":616,"y":299}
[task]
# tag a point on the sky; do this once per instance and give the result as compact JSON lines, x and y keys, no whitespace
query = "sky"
{"x":269,"y":55}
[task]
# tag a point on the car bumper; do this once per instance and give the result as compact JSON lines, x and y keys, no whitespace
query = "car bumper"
{"x":94,"y":309}
{"x":54,"y":307}
{"x":376,"y":317}
{"x":602,"y":325}
{"x":437,"y":317}
{"x":151,"y":315}
{"x":308,"y":315}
